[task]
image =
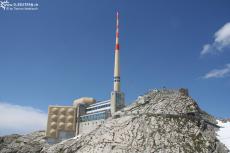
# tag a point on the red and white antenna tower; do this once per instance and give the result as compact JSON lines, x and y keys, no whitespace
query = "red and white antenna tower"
{"x":117,"y":59}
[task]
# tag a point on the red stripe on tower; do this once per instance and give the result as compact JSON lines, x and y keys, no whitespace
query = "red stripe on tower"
{"x":117,"y":34}
{"x":117,"y":47}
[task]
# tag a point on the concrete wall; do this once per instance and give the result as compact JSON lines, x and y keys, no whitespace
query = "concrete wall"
{"x":81,"y":110}
{"x":117,"y":101}
{"x":86,"y":127}
{"x":62,"y":135}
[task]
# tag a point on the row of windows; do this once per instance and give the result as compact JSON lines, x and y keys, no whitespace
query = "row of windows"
{"x":92,"y":123}
{"x":98,"y":107}
{"x":100,"y":102}
{"x":117,"y":77}
{"x":93,"y":117}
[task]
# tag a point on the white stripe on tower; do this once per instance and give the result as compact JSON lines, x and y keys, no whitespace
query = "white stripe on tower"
{"x":117,"y":60}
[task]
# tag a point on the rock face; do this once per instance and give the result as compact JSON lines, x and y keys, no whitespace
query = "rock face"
{"x":31,"y":143}
{"x":5,"y":141}
{"x":164,"y":121}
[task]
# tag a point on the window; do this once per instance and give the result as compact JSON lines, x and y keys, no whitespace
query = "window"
{"x":92,"y":117}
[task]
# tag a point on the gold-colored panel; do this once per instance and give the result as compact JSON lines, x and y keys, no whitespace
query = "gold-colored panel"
{"x":70,"y":118}
{"x":53,"y":132}
{"x":61,"y":125}
{"x":69,"y":126}
{"x":53,"y":117}
{"x":61,"y":118}
{"x":54,"y":110}
{"x":53,"y":125}
{"x":70,"y":111}
{"x":62,"y":111}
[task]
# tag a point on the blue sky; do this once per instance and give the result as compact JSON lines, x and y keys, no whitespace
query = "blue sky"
{"x":65,"y":50}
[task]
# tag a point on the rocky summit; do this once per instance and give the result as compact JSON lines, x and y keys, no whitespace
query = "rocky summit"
{"x":161,"y":121}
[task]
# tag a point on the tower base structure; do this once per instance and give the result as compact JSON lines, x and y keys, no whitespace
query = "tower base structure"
{"x":117,"y":101}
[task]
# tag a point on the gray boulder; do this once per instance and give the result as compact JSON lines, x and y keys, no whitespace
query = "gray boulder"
{"x":30,"y":143}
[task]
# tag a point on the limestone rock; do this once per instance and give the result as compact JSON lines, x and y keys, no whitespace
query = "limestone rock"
{"x":163,"y":121}
{"x":30,"y":143}
{"x":4,"y":141}
{"x":159,"y":122}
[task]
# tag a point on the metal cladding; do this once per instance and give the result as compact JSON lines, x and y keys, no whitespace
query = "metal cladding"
{"x":117,"y":59}
{"x":60,"y":118}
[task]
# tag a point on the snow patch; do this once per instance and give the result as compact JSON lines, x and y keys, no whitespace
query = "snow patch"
{"x":223,"y":133}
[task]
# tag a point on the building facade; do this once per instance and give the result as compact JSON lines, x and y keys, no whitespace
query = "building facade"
{"x":92,"y":115}
{"x":86,"y":114}
{"x":61,"y":123}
